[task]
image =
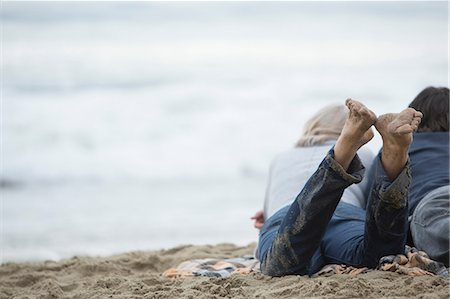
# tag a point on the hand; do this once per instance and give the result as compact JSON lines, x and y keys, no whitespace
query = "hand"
{"x":259,"y":219}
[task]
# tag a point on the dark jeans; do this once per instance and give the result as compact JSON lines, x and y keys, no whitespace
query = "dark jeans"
{"x":300,"y":239}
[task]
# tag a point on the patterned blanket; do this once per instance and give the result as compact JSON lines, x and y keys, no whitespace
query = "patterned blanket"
{"x":413,"y":262}
{"x":215,"y":267}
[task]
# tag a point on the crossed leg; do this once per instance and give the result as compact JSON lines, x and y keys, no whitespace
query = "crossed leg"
{"x":361,"y":237}
{"x":290,"y":250}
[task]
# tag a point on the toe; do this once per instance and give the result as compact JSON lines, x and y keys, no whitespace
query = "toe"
{"x":404,"y":129}
{"x":348,"y":102}
{"x":418,"y":114}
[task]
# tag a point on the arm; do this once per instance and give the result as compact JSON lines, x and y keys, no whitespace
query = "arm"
{"x":259,"y":219}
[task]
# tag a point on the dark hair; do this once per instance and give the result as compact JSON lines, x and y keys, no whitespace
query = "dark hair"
{"x":433,"y":102}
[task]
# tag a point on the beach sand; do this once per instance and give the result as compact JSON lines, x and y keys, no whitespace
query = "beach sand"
{"x":139,"y":275}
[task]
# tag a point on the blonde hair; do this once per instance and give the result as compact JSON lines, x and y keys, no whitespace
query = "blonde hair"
{"x":325,"y":125}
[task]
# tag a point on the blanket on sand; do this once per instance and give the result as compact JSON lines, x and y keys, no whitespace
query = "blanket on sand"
{"x":413,"y":262}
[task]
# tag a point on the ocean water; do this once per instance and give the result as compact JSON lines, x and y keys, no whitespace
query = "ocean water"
{"x":146,"y":125}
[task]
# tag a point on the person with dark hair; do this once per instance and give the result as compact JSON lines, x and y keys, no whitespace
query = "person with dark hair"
{"x":429,"y":210}
{"x":434,"y":101}
{"x":408,"y":201}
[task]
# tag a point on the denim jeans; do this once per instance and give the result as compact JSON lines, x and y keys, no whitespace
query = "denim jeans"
{"x":300,"y":239}
{"x":430,"y":224}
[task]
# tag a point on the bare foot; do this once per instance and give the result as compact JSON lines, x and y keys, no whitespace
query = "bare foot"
{"x":397,"y":128}
{"x":396,"y":131}
{"x":359,"y":123}
{"x":356,"y":132}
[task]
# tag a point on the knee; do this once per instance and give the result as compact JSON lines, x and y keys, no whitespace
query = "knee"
{"x":274,"y":268}
{"x":270,"y":271}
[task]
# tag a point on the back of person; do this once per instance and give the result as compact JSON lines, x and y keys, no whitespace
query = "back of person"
{"x":288,"y":173}
{"x":429,"y":155}
{"x":290,"y":170}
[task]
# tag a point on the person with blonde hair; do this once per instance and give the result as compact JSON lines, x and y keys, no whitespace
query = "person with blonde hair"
{"x":324,"y":126}
{"x":309,"y":222}
{"x":290,"y":170}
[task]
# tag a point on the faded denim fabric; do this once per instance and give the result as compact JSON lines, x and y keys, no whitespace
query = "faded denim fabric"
{"x":430,"y":224}
{"x":302,"y":238}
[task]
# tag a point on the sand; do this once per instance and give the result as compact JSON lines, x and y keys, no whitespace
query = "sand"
{"x":138,"y":275}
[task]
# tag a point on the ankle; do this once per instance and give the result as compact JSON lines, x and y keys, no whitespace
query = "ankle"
{"x":344,"y":153}
{"x":393,"y":162}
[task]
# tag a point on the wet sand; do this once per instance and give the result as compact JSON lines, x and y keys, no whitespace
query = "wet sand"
{"x":138,"y":275}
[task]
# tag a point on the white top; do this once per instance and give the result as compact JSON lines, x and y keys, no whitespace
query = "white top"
{"x":290,"y":171}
